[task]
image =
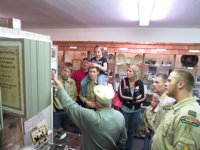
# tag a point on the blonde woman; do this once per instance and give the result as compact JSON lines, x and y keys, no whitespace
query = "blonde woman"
{"x":131,"y":92}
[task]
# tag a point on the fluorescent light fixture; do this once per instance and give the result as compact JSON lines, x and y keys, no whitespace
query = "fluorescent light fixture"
{"x":161,"y":50}
{"x":194,"y":51}
{"x":161,"y":9}
{"x":129,"y":9}
{"x":73,"y":47}
{"x":105,"y":48}
{"x":123,"y":49}
{"x":145,"y":11}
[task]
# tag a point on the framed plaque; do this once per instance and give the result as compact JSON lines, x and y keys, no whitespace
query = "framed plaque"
{"x":39,"y":135}
{"x":11,"y":76}
{"x":76,"y":63}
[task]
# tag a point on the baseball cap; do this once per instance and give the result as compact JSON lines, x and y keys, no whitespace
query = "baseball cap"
{"x":106,"y":74}
{"x":88,"y":59}
{"x":104,"y":94}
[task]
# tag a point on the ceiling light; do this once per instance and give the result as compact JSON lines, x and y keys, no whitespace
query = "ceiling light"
{"x":73,"y":47}
{"x":194,"y":51}
{"x":129,"y":8}
{"x":161,"y":9}
{"x":145,"y":11}
{"x":161,"y":50}
{"x":123,"y":49}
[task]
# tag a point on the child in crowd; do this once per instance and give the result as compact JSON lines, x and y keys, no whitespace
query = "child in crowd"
{"x":100,"y":62}
{"x":147,"y":117}
{"x":107,"y":79}
{"x":60,"y":117}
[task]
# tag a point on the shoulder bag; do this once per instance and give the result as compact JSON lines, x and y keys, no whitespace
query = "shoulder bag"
{"x":116,"y":101}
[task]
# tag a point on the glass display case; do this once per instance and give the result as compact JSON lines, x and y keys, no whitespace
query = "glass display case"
{"x":68,"y":141}
{"x":150,"y":65}
{"x":194,"y":70}
{"x":122,"y":63}
{"x":110,"y":66}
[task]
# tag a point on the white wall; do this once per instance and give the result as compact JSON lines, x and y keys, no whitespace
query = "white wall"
{"x":173,"y":35}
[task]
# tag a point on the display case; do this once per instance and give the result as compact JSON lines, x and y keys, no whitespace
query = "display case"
{"x":150,"y":65}
{"x":122,"y":62}
{"x":155,"y":63}
{"x":110,"y":66}
{"x":147,"y":56}
{"x":194,"y":69}
{"x":68,"y":141}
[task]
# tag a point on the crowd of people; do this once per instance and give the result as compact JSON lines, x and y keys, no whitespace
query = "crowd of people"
{"x":171,"y":121}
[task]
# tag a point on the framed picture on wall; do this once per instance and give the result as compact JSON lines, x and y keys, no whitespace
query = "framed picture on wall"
{"x":198,"y":79}
{"x":83,"y":54}
{"x":76,"y":64}
{"x":54,"y":53}
{"x":39,"y":135}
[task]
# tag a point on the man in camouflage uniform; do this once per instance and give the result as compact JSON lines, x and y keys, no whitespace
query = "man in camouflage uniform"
{"x":180,"y":128}
{"x":90,"y":95}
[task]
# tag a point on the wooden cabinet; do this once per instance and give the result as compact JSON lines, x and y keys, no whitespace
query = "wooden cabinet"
{"x":166,"y":61}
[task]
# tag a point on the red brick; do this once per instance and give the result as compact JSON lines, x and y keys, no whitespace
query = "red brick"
{"x":169,"y":47}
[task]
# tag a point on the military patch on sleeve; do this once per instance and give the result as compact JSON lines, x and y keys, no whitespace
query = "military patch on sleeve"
{"x":190,"y":121}
{"x":166,"y":107}
{"x":192,"y":113}
{"x":185,"y":147}
{"x":188,"y":129}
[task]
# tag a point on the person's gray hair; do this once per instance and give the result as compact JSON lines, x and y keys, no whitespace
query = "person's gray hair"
{"x":163,"y":77}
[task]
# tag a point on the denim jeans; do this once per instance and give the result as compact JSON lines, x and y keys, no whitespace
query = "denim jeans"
{"x":131,"y":121}
{"x":100,"y":81}
{"x":61,"y":118}
{"x":147,"y":140}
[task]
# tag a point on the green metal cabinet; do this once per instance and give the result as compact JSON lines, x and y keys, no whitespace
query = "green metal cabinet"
{"x":33,"y":72}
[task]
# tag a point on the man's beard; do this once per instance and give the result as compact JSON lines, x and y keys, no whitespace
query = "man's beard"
{"x":172,"y":92}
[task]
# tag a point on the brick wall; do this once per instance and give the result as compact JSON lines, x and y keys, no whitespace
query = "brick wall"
{"x":133,"y":47}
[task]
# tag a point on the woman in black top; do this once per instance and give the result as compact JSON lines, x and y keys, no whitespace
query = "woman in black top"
{"x":131,"y":92}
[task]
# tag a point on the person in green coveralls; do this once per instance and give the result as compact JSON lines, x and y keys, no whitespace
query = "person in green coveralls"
{"x":180,"y":128}
{"x":101,"y":129}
